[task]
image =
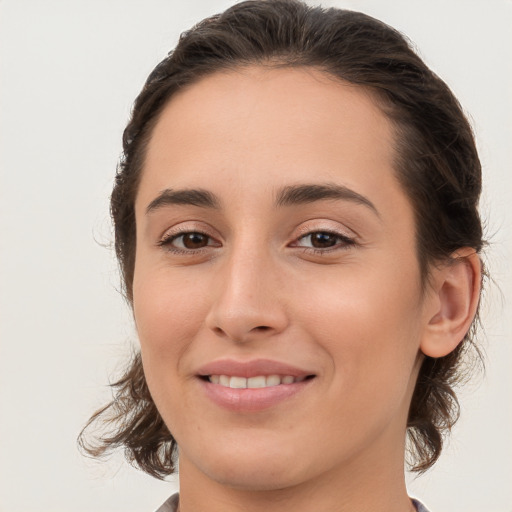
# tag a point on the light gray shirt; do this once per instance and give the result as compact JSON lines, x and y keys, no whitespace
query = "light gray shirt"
{"x":171,"y":505}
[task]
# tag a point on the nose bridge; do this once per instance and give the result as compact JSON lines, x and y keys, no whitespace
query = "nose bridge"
{"x":247,"y":300}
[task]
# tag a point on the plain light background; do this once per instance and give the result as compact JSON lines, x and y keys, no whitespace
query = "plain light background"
{"x":69,"y":71}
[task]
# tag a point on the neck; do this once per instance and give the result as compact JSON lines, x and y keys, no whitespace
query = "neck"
{"x":368,"y":484}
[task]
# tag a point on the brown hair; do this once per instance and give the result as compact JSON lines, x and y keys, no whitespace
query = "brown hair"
{"x":436,"y":163}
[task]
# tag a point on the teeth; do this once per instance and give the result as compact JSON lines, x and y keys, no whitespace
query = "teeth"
{"x":273,"y":380}
{"x":260,"y":381}
{"x":256,"y":382}
{"x":238,"y":382}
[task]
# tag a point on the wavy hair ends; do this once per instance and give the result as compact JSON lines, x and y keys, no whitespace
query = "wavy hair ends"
{"x":131,"y":421}
{"x":436,"y":163}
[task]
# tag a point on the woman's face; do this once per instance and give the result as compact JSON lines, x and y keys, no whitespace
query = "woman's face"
{"x":276,"y":250}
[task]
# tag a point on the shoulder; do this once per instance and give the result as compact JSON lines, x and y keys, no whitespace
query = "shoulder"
{"x":419,"y":506}
{"x":171,"y":505}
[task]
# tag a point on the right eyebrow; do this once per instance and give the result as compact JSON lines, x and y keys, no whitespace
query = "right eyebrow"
{"x":194,"y":197}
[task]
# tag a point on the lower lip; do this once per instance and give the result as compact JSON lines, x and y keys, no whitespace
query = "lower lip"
{"x":252,"y":399}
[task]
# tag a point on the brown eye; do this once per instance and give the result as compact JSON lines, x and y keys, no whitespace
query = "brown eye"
{"x":194,"y":240}
{"x":188,"y":242}
{"x":322,"y":240}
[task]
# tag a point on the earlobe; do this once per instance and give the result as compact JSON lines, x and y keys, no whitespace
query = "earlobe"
{"x":457,"y":293}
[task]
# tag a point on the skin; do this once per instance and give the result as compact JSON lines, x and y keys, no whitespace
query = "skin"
{"x":353,"y":314}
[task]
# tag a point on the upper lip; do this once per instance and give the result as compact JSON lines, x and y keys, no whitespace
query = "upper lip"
{"x":251,"y":368}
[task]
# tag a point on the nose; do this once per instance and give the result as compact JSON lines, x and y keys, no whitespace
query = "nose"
{"x":247,"y":300}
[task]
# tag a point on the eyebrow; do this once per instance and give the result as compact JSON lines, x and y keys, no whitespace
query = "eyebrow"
{"x":194,"y":197}
{"x":309,"y":193}
{"x":287,"y":196}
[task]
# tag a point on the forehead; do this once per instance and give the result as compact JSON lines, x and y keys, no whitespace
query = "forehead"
{"x":256,"y":123}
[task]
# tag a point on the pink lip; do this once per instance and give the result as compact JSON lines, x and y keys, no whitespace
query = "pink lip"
{"x":251,"y":368}
{"x":251,"y":400}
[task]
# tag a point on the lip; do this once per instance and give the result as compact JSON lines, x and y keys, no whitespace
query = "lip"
{"x":251,"y":399}
{"x":251,"y":368}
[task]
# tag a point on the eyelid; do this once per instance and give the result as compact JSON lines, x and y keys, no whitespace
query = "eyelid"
{"x":189,"y":226}
{"x":184,"y":228}
{"x":343,"y":243}
{"x":346,"y":238}
{"x":168,"y":237}
{"x":325,"y":225}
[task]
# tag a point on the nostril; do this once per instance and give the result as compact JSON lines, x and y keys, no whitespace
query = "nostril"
{"x":262,"y":328}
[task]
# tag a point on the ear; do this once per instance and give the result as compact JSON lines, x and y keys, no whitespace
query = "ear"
{"x":455,"y":294}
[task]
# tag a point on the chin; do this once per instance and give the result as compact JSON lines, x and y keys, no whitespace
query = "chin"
{"x":254,"y":469}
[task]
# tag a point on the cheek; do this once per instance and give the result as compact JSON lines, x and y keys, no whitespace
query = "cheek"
{"x":168,"y":312}
{"x":370,"y":325}
{"x":167,"y":316}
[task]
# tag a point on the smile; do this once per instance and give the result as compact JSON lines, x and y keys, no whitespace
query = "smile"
{"x":254,"y":385}
{"x":259,"y":381}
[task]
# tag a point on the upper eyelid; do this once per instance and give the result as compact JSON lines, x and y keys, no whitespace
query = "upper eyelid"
{"x":167,"y":243}
{"x":188,"y":227}
{"x":305,"y":228}
{"x":169,"y":233}
{"x":344,"y":243}
{"x":327,"y":231}
{"x":345,"y":240}
{"x":167,"y":240}
{"x":319,"y":225}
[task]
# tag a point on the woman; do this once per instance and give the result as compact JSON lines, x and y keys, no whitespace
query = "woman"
{"x":297,"y":228}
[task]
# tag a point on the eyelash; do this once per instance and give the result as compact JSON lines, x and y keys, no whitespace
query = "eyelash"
{"x":343,"y":242}
{"x":168,"y":239}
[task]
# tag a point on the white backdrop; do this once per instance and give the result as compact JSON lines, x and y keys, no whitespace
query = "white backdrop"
{"x":69,"y":71}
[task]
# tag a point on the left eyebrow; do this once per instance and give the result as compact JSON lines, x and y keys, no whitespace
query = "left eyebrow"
{"x":194,"y":197}
{"x":309,"y":193}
